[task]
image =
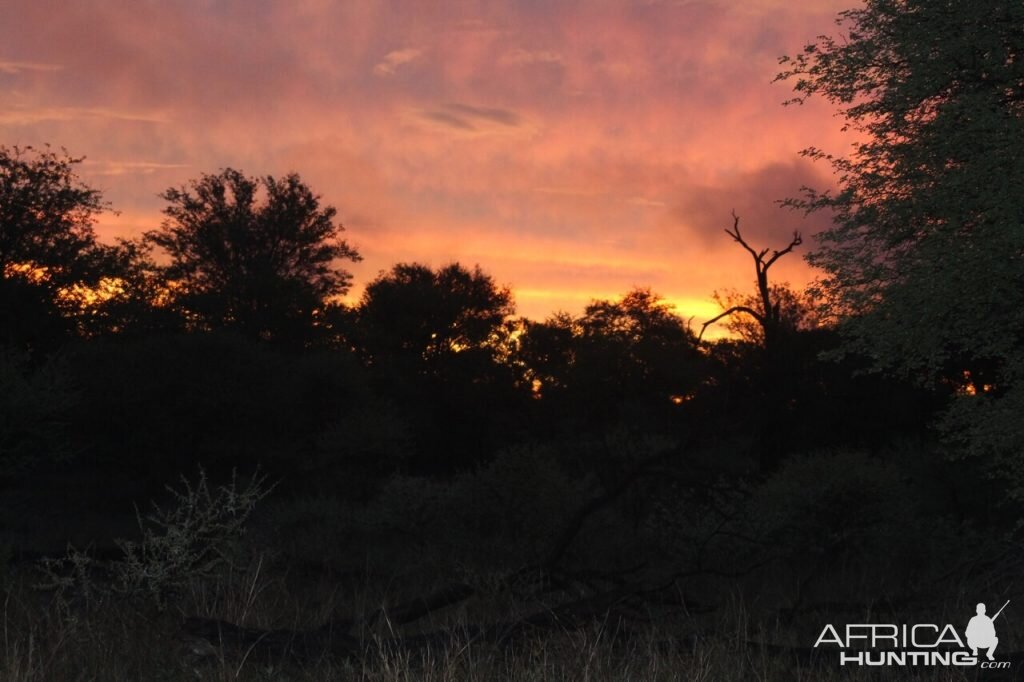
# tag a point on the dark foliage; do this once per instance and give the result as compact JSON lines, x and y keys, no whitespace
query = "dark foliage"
{"x":435,"y":342}
{"x":50,"y":260}
{"x":631,"y":361}
{"x":265,"y":267}
{"x":925,"y":258}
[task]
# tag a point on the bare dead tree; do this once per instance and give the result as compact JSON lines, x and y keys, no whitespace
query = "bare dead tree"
{"x":769,"y":316}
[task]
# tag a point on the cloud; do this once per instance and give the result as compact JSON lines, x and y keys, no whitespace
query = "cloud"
{"x":395,"y":59}
{"x":449,"y":119}
{"x":572,"y":148}
{"x":472,"y":119}
{"x":706,"y":209}
{"x":20,"y":67}
{"x":521,"y":56}
{"x":647,"y":203}
{"x":566,"y":191}
{"x":131,"y":167}
{"x":501,"y":116}
{"x":30,"y":115}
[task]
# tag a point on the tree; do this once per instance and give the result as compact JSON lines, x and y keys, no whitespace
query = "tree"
{"x":631,"y":359}
{"x":48,"y":246}
{"x":766,"y":307}
{"x":639,"y":344}
{"x":264,"y":267}
{"x":130,"y":299}
{"x":796,"y":312}
{"x":925,"y":259}
{"x":422,"y":319}
{"x":435,"y":341}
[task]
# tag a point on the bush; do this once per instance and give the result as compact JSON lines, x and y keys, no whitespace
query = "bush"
{"x":193,"y":538}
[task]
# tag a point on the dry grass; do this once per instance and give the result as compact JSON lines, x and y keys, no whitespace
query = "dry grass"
{"x":127,"y":622}
{"x":55,"y":637}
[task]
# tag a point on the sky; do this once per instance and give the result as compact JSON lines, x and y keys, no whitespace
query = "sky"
{"x":573,"y":149}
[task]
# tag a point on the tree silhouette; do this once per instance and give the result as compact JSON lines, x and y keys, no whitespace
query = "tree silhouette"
{"x":627,"y":359}
{"x":48,"y":245}
{"x":422,"y":319}
{"x":638,"y":347}
{"x":434,"y":340}
{"x":796,"y":312}
{"x":264,"y":267}
{"x":777,"y":364}
{"x":926,"y":252}
{"x":766,"y":307}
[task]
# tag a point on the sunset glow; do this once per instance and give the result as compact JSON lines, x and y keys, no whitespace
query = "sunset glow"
{"x":574,"y":150}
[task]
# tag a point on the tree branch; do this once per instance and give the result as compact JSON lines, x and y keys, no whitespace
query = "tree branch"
{"x":796,"y":241}
{"x":735,"y":309}
{"x":738,"y":238}
{"x":768,"y":318}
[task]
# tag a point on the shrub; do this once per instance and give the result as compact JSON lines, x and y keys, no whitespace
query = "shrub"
{"x":192,"y":538}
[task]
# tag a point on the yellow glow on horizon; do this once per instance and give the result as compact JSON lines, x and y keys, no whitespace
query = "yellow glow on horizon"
{"x":27,"y":271}
{"x":84,"y":296}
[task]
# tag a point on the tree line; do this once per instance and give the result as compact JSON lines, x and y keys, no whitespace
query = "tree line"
{"x":220,"y":339}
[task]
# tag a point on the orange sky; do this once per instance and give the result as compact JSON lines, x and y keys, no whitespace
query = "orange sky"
{"x":572,"y":149}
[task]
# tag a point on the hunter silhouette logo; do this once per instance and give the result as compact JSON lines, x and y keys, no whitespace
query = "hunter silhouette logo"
{"x":919,"y":644}
{"x":981,"y":632}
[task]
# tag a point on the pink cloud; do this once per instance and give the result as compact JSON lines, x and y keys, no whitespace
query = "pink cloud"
{"x":394,"y":60}
{"x":573,"y":149}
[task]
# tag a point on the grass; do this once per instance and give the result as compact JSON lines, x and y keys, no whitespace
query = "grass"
{"x":195,"y":598}
{"x":51,"y":637}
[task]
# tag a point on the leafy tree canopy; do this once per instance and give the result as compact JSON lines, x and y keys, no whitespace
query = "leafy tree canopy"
{"x":925,"y":260}
{"x":46,"y":214}
{"x":262,"y":265}
{"x":50,"y":261}
{"x":414,"y":314}
{"x":632,"y":352}
{"x":929,"y":231}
